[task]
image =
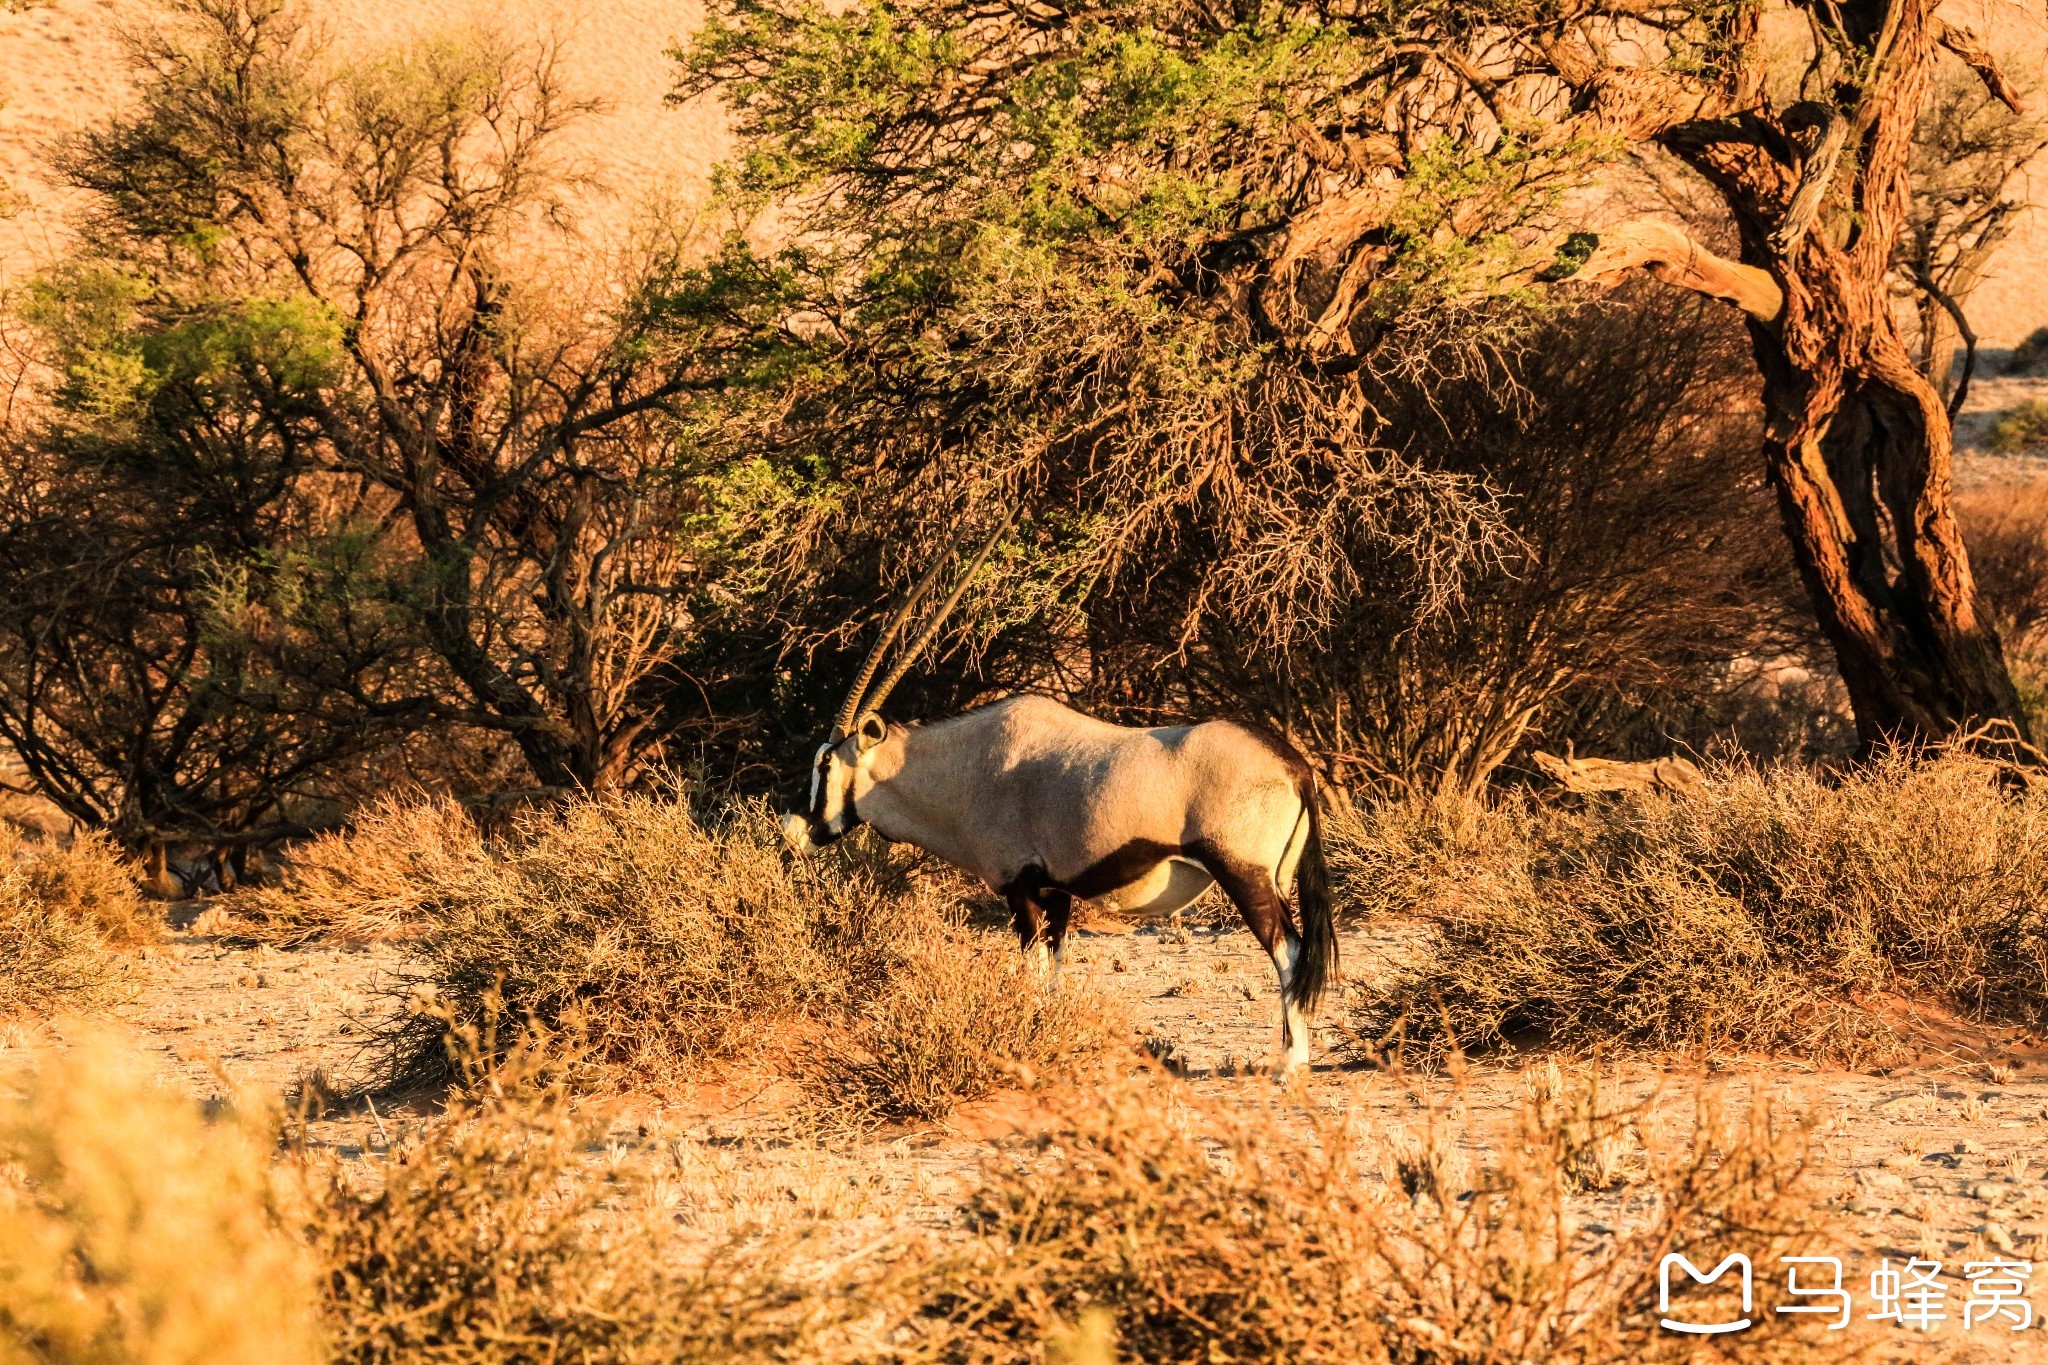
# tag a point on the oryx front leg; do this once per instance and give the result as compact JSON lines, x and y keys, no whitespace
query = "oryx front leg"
{"x":1029,"y":917}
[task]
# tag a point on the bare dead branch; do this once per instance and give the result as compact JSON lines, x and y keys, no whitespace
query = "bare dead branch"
{"x":1967,"y":45}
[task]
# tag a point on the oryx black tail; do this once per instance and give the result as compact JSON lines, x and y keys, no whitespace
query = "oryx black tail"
{"x":1317,"y":966}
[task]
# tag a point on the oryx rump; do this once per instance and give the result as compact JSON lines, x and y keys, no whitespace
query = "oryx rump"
{"x":1046,"y":805}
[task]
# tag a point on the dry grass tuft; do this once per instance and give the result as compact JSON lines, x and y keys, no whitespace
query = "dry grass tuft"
{"x":496,"y":1242}
{"x":1755,"y":913}
{"x":665,"y":939}
{"x":63,"y":912}
{"x":368,"y":883}
{"x":660,"y":939}
{"x":49,"y":962}
{"x":958,"y":1019}
{"x":1209,"y":1234}
{"x":89,"y":880}
{"x":140,"y":1233}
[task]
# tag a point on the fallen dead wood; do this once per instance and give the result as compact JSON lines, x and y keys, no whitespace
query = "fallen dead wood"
{"x":1673,"y":776}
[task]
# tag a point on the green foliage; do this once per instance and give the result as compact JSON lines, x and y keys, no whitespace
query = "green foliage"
{"x":2021,"y":429}
{"x":1035,"y":256}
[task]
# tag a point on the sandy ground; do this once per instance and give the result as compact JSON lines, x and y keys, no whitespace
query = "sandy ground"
{"x":1943,"y":1160}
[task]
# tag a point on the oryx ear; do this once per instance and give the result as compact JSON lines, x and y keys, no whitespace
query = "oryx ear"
{"x":871,"y":731}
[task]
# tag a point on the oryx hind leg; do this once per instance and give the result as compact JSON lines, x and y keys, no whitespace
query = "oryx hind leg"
{"x":1264,"y":909}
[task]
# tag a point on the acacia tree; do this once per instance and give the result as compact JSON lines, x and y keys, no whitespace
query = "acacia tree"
{"x":1056,"y":246}
{"x":457,"y":375}
{"x":1643,"y":561}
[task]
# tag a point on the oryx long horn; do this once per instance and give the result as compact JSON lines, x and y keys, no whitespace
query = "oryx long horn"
{"x":849,"y":710}
{"x":931,"y":627}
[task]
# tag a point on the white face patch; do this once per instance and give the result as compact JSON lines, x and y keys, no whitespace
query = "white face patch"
{"x":831,"y":790}
{"x":818,"y":775}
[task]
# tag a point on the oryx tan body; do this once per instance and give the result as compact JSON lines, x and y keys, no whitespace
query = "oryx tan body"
{"x":1112,"y":814}
{"x":1045,"y":804}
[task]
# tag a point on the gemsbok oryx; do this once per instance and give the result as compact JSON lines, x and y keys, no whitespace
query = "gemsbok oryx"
{"x":1045,"y":805}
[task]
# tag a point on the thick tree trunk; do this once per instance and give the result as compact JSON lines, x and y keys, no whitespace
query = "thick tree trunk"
{"x":1858,"y":445}
{"x":1857,"y":440}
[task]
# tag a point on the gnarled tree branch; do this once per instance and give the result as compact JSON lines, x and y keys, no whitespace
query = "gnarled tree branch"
{"x":1675,"y":258}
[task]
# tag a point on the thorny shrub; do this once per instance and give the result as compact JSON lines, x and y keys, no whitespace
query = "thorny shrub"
{"x":1149,"y":1222}
{"x":1209,"y":1233}
{"x":365,"y":884}
{"x":660,"y":938}
{"x":958,"y":1018}
{"x":1758,"y":912}
{"x":136,"y":1232}
{"x":665,"y":939}
{"x":493,"y":1242}
{"x":64,"y":909}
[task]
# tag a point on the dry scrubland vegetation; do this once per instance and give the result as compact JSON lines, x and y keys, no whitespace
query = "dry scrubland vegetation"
{"x":1768,"y":912}
{"x":339,"y":449}
{"x":63,"y":912}
{"x":627,"y":944}
{"x":1146,"y":1224}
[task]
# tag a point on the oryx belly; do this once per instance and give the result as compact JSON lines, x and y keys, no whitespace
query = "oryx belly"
{"x":1169,"y":886}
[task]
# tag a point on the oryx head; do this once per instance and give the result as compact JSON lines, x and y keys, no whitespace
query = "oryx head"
{"x":839,"y":776}
{"x":842,"y":769}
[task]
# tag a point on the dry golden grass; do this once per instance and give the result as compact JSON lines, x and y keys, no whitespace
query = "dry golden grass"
{"x":660,"y":939}
{"x":64,"y":909}
{"x":665,"y":939}
{"x":49,"y":962}
{"x":1197,"y":1233}
{"x":1757,"y":913}
{"x":957,"y":1019}
{"x":1148,"y":1225}
{"x":367,"y":883}
{"x":490,"y":1243}
{"x":92,"y":881}
{"x":137,"y":1232}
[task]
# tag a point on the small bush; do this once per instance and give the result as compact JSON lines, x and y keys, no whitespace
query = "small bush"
{"x":368,"y":883}
{"x":663,"y":940}
{"x":63,"y":912}
{"x":1753,"y":913}
{"x":91,"y":881}
{"x":489,"y":1245}
{"x":2028,"y":353}
{"x":1211,"y":1234}
{"x":2021,"y":429}
{"x":50,"y":962}
{"x":956,"y":1020}
{"x":143,"y":1234}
